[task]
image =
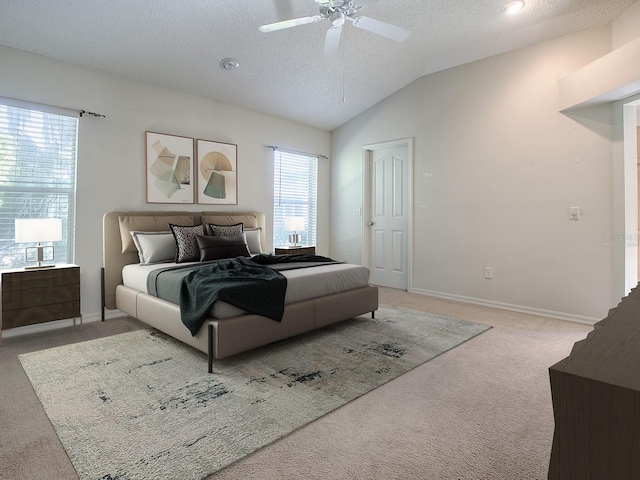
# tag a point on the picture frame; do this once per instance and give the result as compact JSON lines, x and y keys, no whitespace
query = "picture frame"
{"x":216,"y":173}
{"x":169,"y":168}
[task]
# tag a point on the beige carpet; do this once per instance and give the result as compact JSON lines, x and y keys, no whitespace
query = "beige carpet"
{"x":479,"y":411}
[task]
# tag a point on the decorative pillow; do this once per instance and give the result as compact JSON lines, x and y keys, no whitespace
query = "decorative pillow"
{"x":222,"y":246}
{"x":154,"y":247}
{"x":147,"y":223}
{"x":225,"y":229}
{"x":253,"y":240}
{"x":187,"y":249}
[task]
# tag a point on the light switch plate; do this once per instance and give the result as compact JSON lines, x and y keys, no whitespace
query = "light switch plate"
{"x":574,"y":213}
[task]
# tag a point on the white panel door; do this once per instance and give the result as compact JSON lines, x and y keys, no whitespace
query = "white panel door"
{"x":389,"y":216}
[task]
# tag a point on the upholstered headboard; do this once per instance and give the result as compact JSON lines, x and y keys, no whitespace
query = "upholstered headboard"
{"x":118,"y":249}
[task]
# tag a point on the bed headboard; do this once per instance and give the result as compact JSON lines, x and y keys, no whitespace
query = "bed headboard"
{"x":118,"y":249}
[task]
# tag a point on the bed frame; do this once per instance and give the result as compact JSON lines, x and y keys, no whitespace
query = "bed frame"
{"x":218,"y":338}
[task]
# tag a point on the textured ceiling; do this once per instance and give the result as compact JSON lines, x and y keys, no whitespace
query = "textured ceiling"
{"x":179,"y":44}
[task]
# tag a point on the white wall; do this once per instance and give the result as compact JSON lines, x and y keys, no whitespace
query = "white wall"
{"x":111,"y":171}
{"x":496,"y":168}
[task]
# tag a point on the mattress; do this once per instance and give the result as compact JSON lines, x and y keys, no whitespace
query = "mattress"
{"x":302,"y":284}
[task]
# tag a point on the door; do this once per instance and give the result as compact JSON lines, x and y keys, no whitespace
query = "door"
{"x":389,"y":215}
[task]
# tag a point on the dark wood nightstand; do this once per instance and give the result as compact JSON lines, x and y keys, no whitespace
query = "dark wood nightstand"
{"x":39,"y":295}
{"x":294,"y":250}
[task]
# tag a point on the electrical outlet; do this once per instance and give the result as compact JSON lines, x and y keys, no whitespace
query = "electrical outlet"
{"x":346,"y":257}
{"x":488,"y":273}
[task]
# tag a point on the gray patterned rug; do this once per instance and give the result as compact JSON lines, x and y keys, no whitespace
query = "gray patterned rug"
{"x":140,"y":405}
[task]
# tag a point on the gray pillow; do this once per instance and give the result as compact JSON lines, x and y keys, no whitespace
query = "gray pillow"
{"x":253,"y":240}
{"x":222,"y":246}
{"x":154,"y":247}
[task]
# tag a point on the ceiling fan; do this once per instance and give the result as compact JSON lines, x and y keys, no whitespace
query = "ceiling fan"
{"x":338,"y":12}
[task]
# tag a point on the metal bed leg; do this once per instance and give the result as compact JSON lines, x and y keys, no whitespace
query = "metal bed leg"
{"x":210,"y":349}
{"x":373,"y":314}
{"x":102,"y":292}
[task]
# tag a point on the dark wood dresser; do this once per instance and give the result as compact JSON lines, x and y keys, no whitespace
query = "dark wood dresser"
{"x":39,"y":295}
{"x":596,"y":401}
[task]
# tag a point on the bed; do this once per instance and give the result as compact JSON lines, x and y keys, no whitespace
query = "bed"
{"x":306,"y":307}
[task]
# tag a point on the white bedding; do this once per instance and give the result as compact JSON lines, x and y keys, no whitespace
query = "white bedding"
{"x":302,"y":283}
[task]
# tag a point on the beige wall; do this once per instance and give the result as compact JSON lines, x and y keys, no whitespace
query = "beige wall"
{"x":111,"y":150}
{"x":625,"y":28}
{"x":496,"y":167}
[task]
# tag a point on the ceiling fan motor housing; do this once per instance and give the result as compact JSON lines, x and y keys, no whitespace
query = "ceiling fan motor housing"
{"x":337,"y":19}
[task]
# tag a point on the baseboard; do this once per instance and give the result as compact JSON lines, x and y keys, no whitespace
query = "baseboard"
{"x":43,"y":327}
{"x":507,"y":306}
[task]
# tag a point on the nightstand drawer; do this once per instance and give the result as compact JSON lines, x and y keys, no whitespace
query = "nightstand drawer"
{"x":28,"y":279}
{"x":294,"y":250}
{"x":39,"y":314}
{"x":13,"y":299}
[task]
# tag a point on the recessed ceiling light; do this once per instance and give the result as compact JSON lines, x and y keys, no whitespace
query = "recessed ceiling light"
{"x":229,"y":63}
{"x":514,"y":7}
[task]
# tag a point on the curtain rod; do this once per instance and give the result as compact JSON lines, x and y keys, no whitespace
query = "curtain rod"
{"x":274,"y":148}
{"x":27,"y":103}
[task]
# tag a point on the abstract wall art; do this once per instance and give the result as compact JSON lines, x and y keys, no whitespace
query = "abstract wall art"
{"x":169,"y":165}
{"x":217,"y":173}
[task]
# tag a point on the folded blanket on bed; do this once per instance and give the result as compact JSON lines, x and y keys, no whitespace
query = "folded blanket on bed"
{"x":244,"y":283}
{"x":240,"y":282}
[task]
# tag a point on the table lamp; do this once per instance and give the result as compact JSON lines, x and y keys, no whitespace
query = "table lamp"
{"x":38,"y":230}
{"x":294,"y":224}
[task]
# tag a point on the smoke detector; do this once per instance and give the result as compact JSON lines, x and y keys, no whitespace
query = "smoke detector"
{"x":229,"y":63}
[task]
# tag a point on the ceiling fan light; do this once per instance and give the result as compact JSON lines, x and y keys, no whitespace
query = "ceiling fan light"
{"x":514,"y":7}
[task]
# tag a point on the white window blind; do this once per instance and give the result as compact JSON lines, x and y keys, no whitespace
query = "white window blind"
{"x":295,"y":195}
{"x":37,"y":177}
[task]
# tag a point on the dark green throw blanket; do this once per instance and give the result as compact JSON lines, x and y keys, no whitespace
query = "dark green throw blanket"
{"x":245,"y":283}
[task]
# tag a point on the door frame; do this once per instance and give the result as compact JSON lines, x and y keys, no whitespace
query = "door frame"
{"x":366,"y":200}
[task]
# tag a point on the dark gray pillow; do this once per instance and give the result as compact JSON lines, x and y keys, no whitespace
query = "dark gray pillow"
{"x":187,"y":249}
{"x":223,"y":246}
{"x":236,"y":229}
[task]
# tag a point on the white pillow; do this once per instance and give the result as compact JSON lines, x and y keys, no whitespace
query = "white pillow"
{"x":154,"y":247}
{"x":253,"y":240}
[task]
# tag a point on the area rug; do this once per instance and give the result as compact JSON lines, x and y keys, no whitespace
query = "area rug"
{"x":140,"y":405}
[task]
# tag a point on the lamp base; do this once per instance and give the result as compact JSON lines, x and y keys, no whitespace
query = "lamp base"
{"x":294,"y":239}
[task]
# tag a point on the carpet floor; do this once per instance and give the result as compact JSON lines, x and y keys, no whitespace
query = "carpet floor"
{"x":141,"y":405}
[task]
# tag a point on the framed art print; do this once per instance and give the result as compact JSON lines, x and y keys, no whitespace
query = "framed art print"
{"x":217,"y":173}
{"x":169,"y":167}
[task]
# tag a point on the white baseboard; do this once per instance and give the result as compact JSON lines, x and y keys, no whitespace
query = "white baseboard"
{"x":507,"y":306}
{"x":43,"y":327}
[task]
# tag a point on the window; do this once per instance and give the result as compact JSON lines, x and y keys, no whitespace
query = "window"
{"x":37,"y":176}
{"x":295,"y":188}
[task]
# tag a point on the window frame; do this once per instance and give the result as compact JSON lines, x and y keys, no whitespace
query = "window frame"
{"x":294,"y":204}
{"x":12,"y":254}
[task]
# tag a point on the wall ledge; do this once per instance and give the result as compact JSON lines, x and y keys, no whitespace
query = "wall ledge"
{"x":608,"y":79}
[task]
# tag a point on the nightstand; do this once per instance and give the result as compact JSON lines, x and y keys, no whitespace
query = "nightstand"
{"x":294,"y":250}
{"x":39,"y":295}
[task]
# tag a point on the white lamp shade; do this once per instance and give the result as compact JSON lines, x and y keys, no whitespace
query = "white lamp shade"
{"x":32,"y":230}
{"x":294,"y":224}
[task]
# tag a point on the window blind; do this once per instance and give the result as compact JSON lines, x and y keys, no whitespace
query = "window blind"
{"x":37,"y":177}
{"x":295,"y":195}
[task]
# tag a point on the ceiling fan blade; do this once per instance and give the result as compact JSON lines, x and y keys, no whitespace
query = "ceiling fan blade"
{"x":272,"y":27}
{"x":381,"y":28}
{"x":332,"y":40}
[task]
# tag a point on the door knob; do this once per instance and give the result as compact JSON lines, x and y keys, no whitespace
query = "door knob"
{"x":371,"y":223}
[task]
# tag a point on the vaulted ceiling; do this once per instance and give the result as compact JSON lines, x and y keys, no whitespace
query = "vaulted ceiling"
{"x":179,"y":45}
